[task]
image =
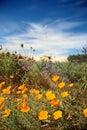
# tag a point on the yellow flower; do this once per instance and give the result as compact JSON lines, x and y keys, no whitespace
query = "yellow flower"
{"x":24,"y":95}
{"x":2,"y":84}
{"x":35,"y":91}
{"x":55,"y":78}
{"x":55,"y":102}
{"x":18,"y":92}
{"x":1,"y":106}
{"x":71,"y":85}
{"x":7,"y":112}
{"x":57,"y":114}
{"x":85,"y":112}
{"x":25,"y":108}
{"x":25,"y":101}
{"x":64,"y":94}
{"x":61,"y":84}
{"x":6,"y":91}
{"x":11,"y":76}
{"x":39,"y":96}
{"x":21,"y":87}
{"x":8,"y":88}
{"x":2,"y":99}
{"x":43,"y":115}
{"x":50,"y":95}
{"x":24,"y":90}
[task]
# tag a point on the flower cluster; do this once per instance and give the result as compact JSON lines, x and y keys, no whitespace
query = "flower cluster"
{"x":22,"y":97}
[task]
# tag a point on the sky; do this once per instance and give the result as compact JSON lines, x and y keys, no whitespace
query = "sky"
{"x":51,"y":27}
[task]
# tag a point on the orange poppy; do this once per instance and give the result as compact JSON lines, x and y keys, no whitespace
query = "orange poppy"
{"x":7,"y":112}
{"x":25,"y":108}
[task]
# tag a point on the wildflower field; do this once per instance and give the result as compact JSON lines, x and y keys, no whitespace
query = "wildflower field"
{"x":36,"y":99}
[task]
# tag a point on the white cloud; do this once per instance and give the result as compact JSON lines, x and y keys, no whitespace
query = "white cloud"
{"x":8,"y":27}
{"x":64,"y":25}
{"x":52,"y":39}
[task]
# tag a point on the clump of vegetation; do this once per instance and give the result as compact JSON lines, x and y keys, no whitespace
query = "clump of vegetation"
{"x":79,"y":58}
{"x":59,"y":108}
{"x":9,"y":64}
{"x":42,"y":95}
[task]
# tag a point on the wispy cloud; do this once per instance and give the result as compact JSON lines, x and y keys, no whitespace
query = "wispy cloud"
{"x":55,"y":38}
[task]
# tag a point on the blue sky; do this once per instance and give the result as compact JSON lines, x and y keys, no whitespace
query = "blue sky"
{"x":51,"y":27}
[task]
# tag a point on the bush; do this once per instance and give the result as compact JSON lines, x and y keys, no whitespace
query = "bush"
{"x":78,"y":58}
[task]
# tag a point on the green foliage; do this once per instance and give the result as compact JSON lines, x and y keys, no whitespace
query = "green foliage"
{"x":38,"y":75}
{"x":78,"y":58}
{"x":41,"y":64}
{"x":74,"y":72}
{"x":31,"y":76}
{"x":9,"y":65}
{"x":72,"y":108}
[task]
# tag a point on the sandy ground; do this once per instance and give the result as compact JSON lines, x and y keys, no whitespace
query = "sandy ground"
{"x":53,"y":58}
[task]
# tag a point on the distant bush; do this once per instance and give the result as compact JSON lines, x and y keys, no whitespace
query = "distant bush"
{"x":78,"y":58}
{"x":82,"y":57}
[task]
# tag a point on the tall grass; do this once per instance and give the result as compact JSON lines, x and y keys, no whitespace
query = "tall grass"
{"x":42,"y":95}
